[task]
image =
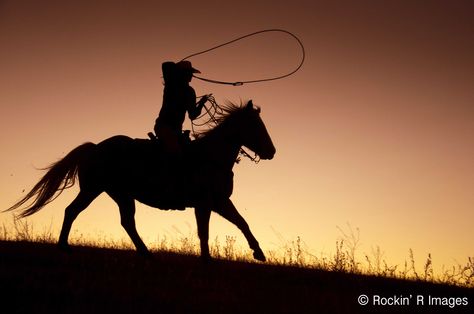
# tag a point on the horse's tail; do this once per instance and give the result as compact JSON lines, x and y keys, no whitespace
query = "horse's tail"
{"x":60,"y":176}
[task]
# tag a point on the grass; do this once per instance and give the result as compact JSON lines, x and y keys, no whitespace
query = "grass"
{"x":106,"y":276}
{"x":292,"y":253}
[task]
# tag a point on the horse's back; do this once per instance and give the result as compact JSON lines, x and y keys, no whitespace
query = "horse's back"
{"x":117,"y":141}
{"x":120,"y":158}
{"x":123,"y":143}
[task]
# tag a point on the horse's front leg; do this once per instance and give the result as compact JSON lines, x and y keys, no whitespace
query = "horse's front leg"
{"x":227,"y":210}
{"x":202,"y":218}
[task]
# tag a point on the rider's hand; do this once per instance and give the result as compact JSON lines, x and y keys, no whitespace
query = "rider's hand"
{"x":204,"y":98}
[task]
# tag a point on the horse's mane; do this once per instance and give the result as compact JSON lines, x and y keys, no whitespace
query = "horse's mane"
{"x":224,"y":113}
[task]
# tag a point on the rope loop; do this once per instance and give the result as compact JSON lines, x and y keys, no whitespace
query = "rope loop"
{"x":240,"y":83}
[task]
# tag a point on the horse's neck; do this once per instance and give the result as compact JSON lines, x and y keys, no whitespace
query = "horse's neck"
{"x":218,"y":149}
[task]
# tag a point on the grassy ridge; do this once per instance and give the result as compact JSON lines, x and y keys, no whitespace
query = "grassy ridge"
{"x":37,"y":278}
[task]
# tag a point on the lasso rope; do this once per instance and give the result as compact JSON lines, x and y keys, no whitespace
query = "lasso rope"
{"x":214,"y":106}
{"x":211,"y":112}
{"x":240,"y":83}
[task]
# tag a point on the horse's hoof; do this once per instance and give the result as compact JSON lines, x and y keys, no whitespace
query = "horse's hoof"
{"x":206,"y":258}
{"x":146,"y":254}
{"x":64,"y":247}
{"x":258,"y":255}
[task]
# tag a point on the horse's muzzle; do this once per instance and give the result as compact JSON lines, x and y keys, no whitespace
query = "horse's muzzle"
{"x":268,"y":155}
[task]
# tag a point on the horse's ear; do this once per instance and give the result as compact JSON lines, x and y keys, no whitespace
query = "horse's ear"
{"x":250,"y":104}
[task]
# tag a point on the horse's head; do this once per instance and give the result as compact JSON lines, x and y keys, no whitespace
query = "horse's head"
{"x":253,"y":133}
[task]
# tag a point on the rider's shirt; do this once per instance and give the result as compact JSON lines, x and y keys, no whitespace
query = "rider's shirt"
{"x":177,"y":99}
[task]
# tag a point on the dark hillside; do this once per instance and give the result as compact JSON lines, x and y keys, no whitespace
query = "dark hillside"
{"x":37,"y":278}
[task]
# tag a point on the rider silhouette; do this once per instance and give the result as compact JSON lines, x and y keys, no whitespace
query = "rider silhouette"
{"x":178,"y":98}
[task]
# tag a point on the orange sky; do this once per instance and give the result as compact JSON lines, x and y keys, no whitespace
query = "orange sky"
{"x":375,"y":130}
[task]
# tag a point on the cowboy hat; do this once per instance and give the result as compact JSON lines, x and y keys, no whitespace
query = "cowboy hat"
{"x":187,"y":66}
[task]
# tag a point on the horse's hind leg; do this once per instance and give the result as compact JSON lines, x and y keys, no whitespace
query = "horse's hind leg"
{"x":227,"y":210}
{"x":127,"y":219}
{"x":82,"y":200}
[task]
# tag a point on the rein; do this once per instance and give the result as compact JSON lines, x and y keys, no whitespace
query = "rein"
{"x":242,"y":152}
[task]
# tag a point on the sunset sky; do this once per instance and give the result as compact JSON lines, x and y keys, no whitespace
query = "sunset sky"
{"x":376,"y":130}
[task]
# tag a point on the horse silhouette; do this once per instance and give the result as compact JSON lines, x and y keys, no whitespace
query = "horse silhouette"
{"x":130,"y":169}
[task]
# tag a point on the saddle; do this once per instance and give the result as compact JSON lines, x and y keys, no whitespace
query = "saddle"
{"x":185,"y":137}
{"x":173,"y":172}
